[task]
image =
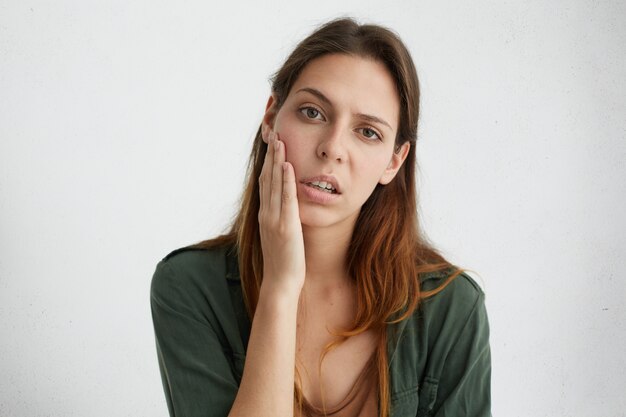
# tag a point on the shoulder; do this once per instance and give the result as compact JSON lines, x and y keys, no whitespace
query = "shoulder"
{"x":189,"y":259}
{"x":452,"y":307}
{"x":463,"y":286}
{"x":190,"y":273}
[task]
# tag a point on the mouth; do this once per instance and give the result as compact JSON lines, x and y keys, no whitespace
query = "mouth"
{"x":322,"y":186}
{"x":324,"y":183}
{"x":317,"y":194}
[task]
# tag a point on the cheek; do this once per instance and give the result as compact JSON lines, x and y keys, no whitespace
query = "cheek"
{"x":297,"y":147}
{"x":294,"y":153}
{"x":373,"y":168}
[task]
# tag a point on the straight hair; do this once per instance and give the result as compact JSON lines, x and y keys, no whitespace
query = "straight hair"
{"x":388,"y":250}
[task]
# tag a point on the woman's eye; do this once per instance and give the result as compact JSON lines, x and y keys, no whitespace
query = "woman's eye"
{"x":370,"y":133}
{"x":310,"y":112}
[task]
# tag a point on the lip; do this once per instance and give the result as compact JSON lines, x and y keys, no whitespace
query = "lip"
{"x":316,"y":195}
{"x":327,"y":178}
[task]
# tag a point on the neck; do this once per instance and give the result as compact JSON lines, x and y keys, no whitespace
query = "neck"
{"x":326,"y":249}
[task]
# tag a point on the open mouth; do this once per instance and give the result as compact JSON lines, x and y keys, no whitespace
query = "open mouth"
{"x":322,"y":186}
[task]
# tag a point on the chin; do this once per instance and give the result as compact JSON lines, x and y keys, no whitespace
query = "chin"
{"x":318,"y":217}
{"x":316,"y":222}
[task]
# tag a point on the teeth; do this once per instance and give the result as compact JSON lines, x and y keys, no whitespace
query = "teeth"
{"x":323,"y":184}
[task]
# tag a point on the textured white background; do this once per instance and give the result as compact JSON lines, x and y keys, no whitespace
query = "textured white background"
{"x":124,"y":132}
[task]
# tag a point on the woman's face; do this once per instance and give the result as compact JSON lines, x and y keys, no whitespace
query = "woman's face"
{"x":340,"y":120}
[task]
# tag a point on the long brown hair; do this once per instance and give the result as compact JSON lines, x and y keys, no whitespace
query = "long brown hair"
{"x":388,"y":250}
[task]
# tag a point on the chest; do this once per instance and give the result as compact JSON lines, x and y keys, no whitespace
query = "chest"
{"x":343,"y":367}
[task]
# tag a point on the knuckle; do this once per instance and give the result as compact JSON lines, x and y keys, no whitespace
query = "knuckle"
{"x":283,"y":229}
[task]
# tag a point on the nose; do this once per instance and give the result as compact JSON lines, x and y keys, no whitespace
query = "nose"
{"x":332,"y":146}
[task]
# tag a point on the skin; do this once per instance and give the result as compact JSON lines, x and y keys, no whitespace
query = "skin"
{"x":302,"y":239}
{"x":321,"y":138}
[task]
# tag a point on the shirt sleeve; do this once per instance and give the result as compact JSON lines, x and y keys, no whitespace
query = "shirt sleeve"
{"x":195,"y":369}
{"x":464,"y":386}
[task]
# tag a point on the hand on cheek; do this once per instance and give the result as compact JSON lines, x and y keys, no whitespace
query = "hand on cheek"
{"x":279,"y":222}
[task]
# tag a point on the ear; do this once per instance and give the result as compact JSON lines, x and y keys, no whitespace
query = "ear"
{"x":267,"y":124}
{"x":397,"y":158}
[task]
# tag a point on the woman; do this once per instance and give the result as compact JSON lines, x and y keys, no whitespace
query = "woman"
{"x":324,"y":297}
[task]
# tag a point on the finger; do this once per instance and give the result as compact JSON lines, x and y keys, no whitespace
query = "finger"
{"x":265,"y":178}
{"x":290,"y":210}
{"x":277,"y":180}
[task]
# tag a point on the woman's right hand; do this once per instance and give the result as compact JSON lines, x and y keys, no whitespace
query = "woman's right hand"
{"x":279,"y":222}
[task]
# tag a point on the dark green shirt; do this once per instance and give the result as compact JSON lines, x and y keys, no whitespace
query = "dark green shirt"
{"x":439,"y":357}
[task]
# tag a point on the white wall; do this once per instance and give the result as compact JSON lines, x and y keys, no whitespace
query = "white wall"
{"x":124,"y":132}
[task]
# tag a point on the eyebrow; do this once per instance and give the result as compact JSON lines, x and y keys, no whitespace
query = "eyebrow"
{"x":325,"y":99}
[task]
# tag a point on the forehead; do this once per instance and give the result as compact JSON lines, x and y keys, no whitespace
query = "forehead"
{"x":353,"y":83}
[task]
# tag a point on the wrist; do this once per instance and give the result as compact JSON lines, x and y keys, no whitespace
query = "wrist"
{"x":278,"y":292}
